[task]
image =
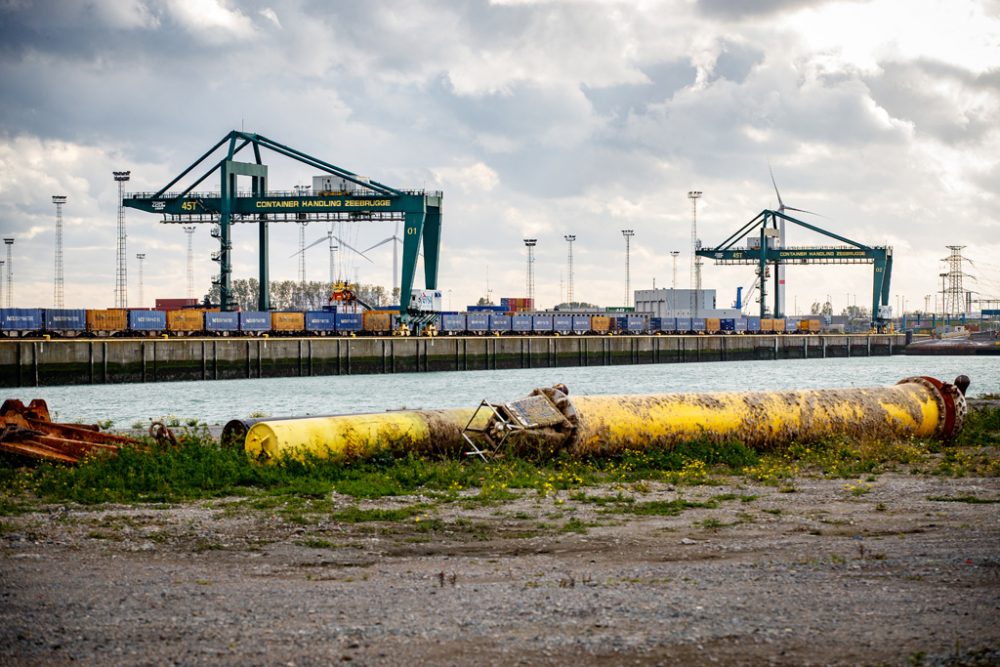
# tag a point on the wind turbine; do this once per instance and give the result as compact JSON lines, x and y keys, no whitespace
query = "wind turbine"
{"x":781,"y":241}
{"x":330,"y":237}
{"x":395,"y":257}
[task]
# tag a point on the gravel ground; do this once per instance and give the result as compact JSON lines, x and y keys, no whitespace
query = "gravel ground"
{"x":823,"y":575}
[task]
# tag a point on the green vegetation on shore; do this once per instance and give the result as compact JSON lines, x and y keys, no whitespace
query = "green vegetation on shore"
{"x":198,"y":469}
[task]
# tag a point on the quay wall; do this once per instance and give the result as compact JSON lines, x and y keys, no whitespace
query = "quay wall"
{"x":27,"y":363}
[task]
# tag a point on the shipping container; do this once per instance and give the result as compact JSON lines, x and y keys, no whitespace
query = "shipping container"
{"x":377,"y":321}
{"x":320,"y":322}
{"x":520,"y":323}
{"x":581,"y":324}
{"x":185,"y":320}
{"x":21,"y":319}
{"x":698,"y":324}
{"x":778,"y":325}
{"x":60,"y":319}
{"x":175,"y":304}
{"x":766,"y":325}
{"x":600,"y":323}
{"x":727,"y":325}
{"x":453,"y":324}
{"x":477,"y":322}
{"x":541,"y":323}
{"x":791,"y":326}
{"x":562,"y":324}
{"x":500,"y":323}
{"x":486,"y":309}
{"x":753,"y":324}
{"x":107,"y":321}
{"x":147,"y":320}
{"x":809,"y":326}
{"x":713,"y":325}
{"x":222,"y":321}
{"x":255,"y":320}
{"x":349,"y":322}
{"x":636,"y":324}
{"x":741,"y":325}
{"x":684,"y":325}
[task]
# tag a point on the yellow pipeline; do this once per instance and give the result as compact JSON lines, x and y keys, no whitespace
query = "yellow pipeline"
{"x":352,"y":436}
{"x":915,"y":407}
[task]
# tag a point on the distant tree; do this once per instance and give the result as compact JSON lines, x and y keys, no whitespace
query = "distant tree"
{"x":485,"y":301}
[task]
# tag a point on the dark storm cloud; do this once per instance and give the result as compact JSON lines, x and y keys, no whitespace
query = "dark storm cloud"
{"x":741,"y":9}
{"x":924,"y":93}
{"x":664,"y":80}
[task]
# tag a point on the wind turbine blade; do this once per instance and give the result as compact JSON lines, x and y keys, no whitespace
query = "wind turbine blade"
{"x":802,"y":210}
{"x":311,"y":245}
{"x":352,"y":248}
{"x":781,"y":204}
{"x":382,"y":242}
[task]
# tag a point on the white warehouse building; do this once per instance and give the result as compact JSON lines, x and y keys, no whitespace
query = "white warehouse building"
{"x":681,"y":303}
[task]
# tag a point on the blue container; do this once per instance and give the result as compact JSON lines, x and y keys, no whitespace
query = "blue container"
{"x":698,"y":324}
{"x":562,"y":324}
{"x":65,"y":320}
{"x":541,"y":323}
{"x":317,"y":320}
{"x":791,"y":326}
{"x":477,"y":322}
{"x":581,"y":324}
{"x":453,"y":323}
{"x":619,"y":322}
{"x":486,"y":309}
{"x":753,"y":324}
{"x":349,"y":322}
{"x":727,"y":324}
{"x":636,"y":324}
{"x":255,"y":320}
{"x":147,"y":320}
{"x":222,"y":321}
{"x":684,"y":325}
{"x":500,"y":323}
{"x":741,"y":325}
{"x":20,"y":319}
{"x":520,"y":323}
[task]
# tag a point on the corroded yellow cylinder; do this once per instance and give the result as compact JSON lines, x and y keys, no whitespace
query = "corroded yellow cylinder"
{"x":357,"y":436}
{"x":915,"y":407}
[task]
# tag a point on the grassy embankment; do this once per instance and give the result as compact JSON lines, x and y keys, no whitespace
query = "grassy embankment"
{"x":198,"y":469}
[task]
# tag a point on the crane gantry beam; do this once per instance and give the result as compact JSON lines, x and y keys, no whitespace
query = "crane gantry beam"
{"x":763,"y":253}
{"x":420,"y":211}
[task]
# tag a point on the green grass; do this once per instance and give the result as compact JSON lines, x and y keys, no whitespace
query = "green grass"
{"x":199,"y":469}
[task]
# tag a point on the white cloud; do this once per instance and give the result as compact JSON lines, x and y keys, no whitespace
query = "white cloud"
{"x":211,"y":20}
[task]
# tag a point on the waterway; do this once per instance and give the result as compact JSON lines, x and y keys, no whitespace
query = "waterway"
{"x":218,"y":401}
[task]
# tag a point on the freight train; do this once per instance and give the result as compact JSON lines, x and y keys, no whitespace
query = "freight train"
{"x":70,"y":323}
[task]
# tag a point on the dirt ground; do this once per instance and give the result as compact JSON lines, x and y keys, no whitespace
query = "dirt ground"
{"x":901,"y":570}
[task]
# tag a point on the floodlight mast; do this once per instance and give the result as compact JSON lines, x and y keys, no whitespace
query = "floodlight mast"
{"x":121,"y":268}
{"x":628,"y":234}
{"x":58,"y":284}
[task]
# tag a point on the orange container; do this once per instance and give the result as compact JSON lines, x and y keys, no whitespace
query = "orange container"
{"x":712,"y":325}
{"x":288,"y":321}
{"x":107,"y":320}
{"x":779,"y":326}
{"x":185,"y":320}
{"x":600,"y":323}
{"x":377,"y":321}
{"x":766,"y":325}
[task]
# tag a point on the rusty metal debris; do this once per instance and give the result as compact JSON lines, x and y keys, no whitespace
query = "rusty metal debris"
{"x":30,"y":432}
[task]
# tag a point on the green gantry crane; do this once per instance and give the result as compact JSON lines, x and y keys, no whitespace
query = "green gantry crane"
{"x":419,"y":211}
{"x":760,"y":251}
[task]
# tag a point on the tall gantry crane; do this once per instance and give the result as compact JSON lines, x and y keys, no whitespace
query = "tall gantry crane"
{"x":365,"y":200}
{"x":763,"y":250}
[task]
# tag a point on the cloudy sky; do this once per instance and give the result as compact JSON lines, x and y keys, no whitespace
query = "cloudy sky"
{"x":535,"y":118}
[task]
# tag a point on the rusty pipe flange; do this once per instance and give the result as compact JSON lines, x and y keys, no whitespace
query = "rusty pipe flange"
{"x":950,"y":401}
